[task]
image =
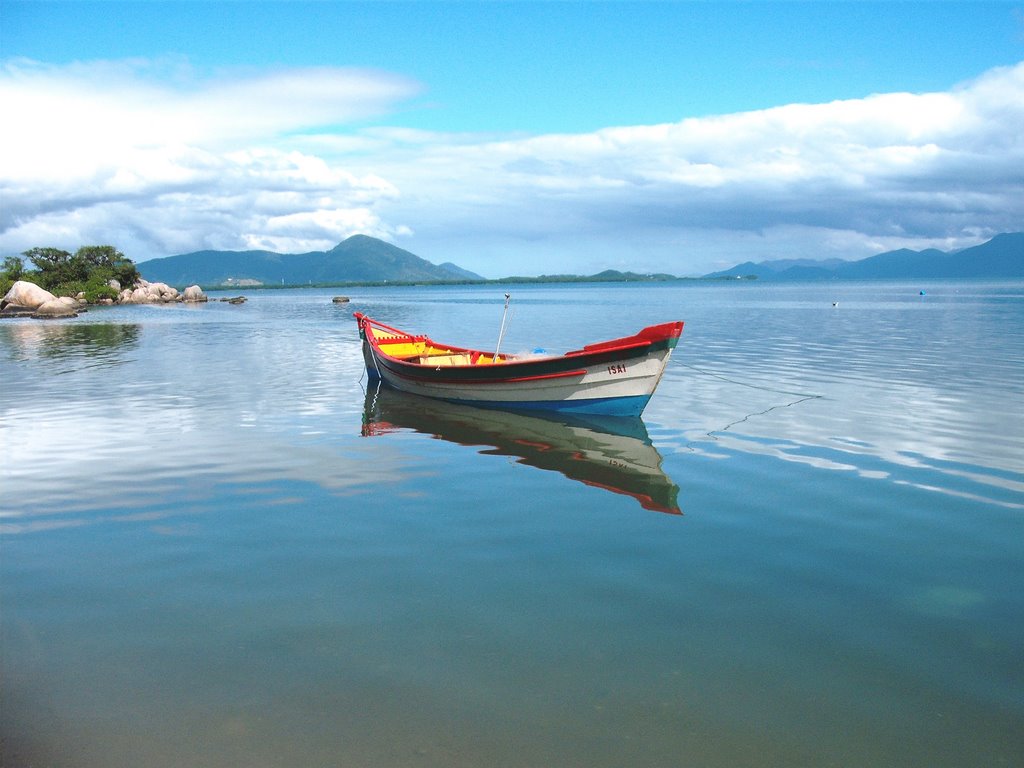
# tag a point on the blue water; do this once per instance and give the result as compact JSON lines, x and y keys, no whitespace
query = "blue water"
{"x":218,"y":548}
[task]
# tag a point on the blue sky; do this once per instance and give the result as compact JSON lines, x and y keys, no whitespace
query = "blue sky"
{"x":514,"y":137}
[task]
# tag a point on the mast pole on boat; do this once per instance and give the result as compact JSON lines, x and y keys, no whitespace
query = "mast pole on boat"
{"x":501,"y":333}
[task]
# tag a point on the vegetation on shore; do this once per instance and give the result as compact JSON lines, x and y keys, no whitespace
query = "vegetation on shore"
{"x":89,"y":271}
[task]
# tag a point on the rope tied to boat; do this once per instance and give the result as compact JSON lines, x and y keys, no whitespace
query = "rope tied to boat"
{"x":367,"y":331}
{"x":501,"y":333}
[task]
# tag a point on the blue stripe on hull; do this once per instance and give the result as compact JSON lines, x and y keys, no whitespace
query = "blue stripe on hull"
{"x":604,"y":406}
{"x":601,"y":406}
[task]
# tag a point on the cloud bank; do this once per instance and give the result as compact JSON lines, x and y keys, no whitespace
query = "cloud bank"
{"x":157,"y":159}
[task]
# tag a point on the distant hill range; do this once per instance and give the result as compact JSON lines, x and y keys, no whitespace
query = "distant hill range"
{"x":1000,"y":257}
{"x":357,"y":259}
{"x":364,"y":259}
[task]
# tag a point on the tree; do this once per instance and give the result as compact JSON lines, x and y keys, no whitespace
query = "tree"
{"x":108,"y":260}
{"x":91,"y":267}
{"x":56,"y":267}
{"x":99,"y":255}
{"x":47,"y":258}
{"x":13,"y":268}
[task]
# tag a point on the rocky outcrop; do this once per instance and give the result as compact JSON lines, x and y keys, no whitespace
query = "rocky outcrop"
{"x":194,"y":294}
{"x":28,"y":299}
{"x":146,"y":292}
{"x":25,"y":295}
{"x":64,"y":306}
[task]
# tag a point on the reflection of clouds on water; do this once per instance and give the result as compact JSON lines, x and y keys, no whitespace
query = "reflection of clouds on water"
{"x":203,"y":406}
{"x":897,"y":393}
{"x":950,"y":435}
{"x":71,"y":465}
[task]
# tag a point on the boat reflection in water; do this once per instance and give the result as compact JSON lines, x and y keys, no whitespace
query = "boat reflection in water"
{"x":614,"y":453}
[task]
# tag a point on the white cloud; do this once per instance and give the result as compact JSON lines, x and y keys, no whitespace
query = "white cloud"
{"x":158,"y":160}
{"x":895,"y":169}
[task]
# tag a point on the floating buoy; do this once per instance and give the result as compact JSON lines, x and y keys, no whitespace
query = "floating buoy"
{"x":920,"y":293}
{"x":835,"y":303}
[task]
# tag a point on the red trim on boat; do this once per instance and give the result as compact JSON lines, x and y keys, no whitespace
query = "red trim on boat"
{"x":409,"y":368}
{"x":561,"y":375}
{"x":645,"y":337}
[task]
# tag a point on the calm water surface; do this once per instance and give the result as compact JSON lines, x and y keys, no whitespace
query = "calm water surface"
{"x":217,"y":548}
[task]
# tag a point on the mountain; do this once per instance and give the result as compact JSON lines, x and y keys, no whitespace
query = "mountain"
{"x":458,"y":273}
{"x":1000,"y":257}
{"x":359,"y":258}
{"x":777,"y":266}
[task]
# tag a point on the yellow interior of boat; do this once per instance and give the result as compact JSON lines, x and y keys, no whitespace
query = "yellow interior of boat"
{"x":420,"y":350}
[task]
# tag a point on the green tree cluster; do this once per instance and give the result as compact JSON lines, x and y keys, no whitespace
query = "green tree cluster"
{"x":88,"y":270}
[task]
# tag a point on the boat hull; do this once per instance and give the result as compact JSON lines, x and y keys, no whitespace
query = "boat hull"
{"x":613,"y":378}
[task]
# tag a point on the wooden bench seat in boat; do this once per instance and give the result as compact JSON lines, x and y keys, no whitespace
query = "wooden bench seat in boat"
{"x":443,"y":361}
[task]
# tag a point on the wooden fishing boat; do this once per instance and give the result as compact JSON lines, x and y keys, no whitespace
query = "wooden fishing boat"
{"x":614,"y":377}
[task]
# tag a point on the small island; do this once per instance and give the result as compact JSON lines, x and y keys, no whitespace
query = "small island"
{"x":63,"y":284}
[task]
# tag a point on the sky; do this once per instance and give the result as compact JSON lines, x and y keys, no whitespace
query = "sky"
{"x":519,"y":138}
